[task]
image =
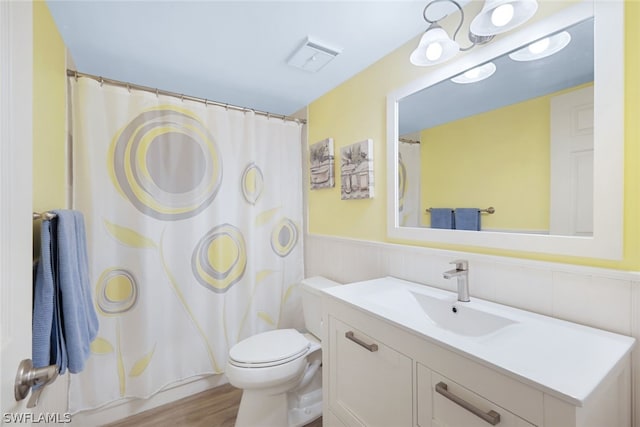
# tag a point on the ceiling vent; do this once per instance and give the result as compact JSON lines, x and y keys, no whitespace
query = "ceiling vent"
{"x":312,"y":55}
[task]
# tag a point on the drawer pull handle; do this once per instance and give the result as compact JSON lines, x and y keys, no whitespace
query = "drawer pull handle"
{"x":492,"y":417}
{"x":370,"y":347}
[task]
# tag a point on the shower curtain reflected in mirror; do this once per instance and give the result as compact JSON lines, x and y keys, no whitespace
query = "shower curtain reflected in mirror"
{"x":409,"y":183}
{"x":194,"y":227}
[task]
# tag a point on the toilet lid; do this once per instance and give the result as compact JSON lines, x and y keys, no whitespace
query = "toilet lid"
{"x":269,"y":347}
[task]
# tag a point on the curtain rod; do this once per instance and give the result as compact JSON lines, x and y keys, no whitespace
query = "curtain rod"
{"x":408,"y":141}
{"x":76,"y":74}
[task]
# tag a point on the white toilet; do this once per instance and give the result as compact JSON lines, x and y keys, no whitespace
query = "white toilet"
{"x":280,"y":371}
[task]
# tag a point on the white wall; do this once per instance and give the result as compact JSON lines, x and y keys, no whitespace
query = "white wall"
{"x":601,"y":298}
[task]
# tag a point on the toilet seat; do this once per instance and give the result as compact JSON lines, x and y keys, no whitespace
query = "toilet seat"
{"x":270,"y":348}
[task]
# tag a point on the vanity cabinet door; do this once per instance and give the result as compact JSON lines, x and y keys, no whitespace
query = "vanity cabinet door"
{"x":444,"y":403}
{"x":370,"y":383}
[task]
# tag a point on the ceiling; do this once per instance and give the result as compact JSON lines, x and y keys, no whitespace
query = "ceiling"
{"x":233,"y":52}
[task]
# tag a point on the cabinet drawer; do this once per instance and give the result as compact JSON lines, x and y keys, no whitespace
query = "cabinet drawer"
{"x":370,"y":383}
{"x":442,"y":402}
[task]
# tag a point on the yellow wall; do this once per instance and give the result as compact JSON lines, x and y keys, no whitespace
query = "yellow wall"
{"x":500,"y":158}
{"x":49,"y":112}
{"x":356,"y":110}
{"x":631,"y":259}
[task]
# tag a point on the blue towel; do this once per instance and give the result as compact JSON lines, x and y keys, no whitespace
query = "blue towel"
{"x":43,"y":341}
{"x":442,"y":218}
{"x":80,"y":321}
{"x":467,"y":219}
{"x":63,"y":295}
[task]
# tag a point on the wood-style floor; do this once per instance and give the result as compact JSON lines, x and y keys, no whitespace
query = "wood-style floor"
{"x":212,"y":408}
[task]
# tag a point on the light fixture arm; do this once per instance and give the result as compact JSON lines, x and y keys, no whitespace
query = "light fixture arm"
{"x":424,"y":14}
{"x":473,"y":38}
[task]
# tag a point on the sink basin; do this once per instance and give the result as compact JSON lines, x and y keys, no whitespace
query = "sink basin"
{"x":460,"y":318}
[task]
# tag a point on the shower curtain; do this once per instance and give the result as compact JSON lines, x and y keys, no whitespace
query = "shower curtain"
{"x":409,"y":183}
{"x":194,"y":221}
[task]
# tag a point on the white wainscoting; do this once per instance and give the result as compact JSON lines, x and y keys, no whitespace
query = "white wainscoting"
{"x":602,"y":298}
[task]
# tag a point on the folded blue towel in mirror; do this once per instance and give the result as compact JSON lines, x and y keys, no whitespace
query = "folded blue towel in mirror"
{"x":442,"y":218}
{"x":467,"y":219}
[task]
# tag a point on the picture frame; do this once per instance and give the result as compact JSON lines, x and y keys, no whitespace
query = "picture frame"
{"x":356,"y":170}
{"x":322,"y":164}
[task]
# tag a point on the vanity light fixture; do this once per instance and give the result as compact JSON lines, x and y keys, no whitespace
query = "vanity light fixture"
{"x":476,"y":74}
{"x":435,"y":47}
{"x":497,"y":16}
{"x":542,"y":48}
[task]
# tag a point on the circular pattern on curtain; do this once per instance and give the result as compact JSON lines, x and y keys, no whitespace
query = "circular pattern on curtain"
{"x":166,"y":163}
{"x":252,"y":183}
{"x":116,"y":292}
{"x":402,"y":182}
{"x":220,"y":258}
{"x":284,"y":237}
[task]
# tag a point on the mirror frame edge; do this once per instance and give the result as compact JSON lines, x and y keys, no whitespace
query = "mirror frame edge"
{"x":607,"y":239}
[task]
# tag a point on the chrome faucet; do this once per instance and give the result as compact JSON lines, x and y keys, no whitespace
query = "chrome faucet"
{"x":461,"y":272}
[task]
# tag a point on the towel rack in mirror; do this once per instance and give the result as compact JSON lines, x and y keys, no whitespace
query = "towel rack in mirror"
{"x":490,"y":210}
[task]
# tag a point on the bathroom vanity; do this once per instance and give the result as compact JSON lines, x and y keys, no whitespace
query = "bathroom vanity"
{"x":396,"y":353}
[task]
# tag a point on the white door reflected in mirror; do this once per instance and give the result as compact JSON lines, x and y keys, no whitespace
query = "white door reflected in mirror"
{"x":571,"y":210}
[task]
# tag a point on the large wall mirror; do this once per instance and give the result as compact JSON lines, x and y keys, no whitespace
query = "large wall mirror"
{"x":537,"y":146}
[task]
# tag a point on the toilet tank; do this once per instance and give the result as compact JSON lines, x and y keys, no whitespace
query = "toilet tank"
{"x":310,"y":290}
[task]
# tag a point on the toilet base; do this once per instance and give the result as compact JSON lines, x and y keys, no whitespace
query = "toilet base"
{"x":295,"y":408}
{"x":308,"y":408}
{"x":260,"y":409}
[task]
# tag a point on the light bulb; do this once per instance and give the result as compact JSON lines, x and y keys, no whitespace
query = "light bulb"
{"x":539,"y":46}
{"x":502,"y":15}
{"x":434,"y":51}
{"x":476,"y":74}
{"x":542,"y":48}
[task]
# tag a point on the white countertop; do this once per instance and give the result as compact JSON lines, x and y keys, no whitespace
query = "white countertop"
{"x":561,"y":358}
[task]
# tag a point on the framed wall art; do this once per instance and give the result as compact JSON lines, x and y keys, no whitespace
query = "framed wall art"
{"x":322,"y":164}
{"x":356,"y":170}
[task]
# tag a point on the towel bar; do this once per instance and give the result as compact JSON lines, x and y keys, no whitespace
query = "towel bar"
{"x":490,"y":210}
{"x":44,"y":215}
